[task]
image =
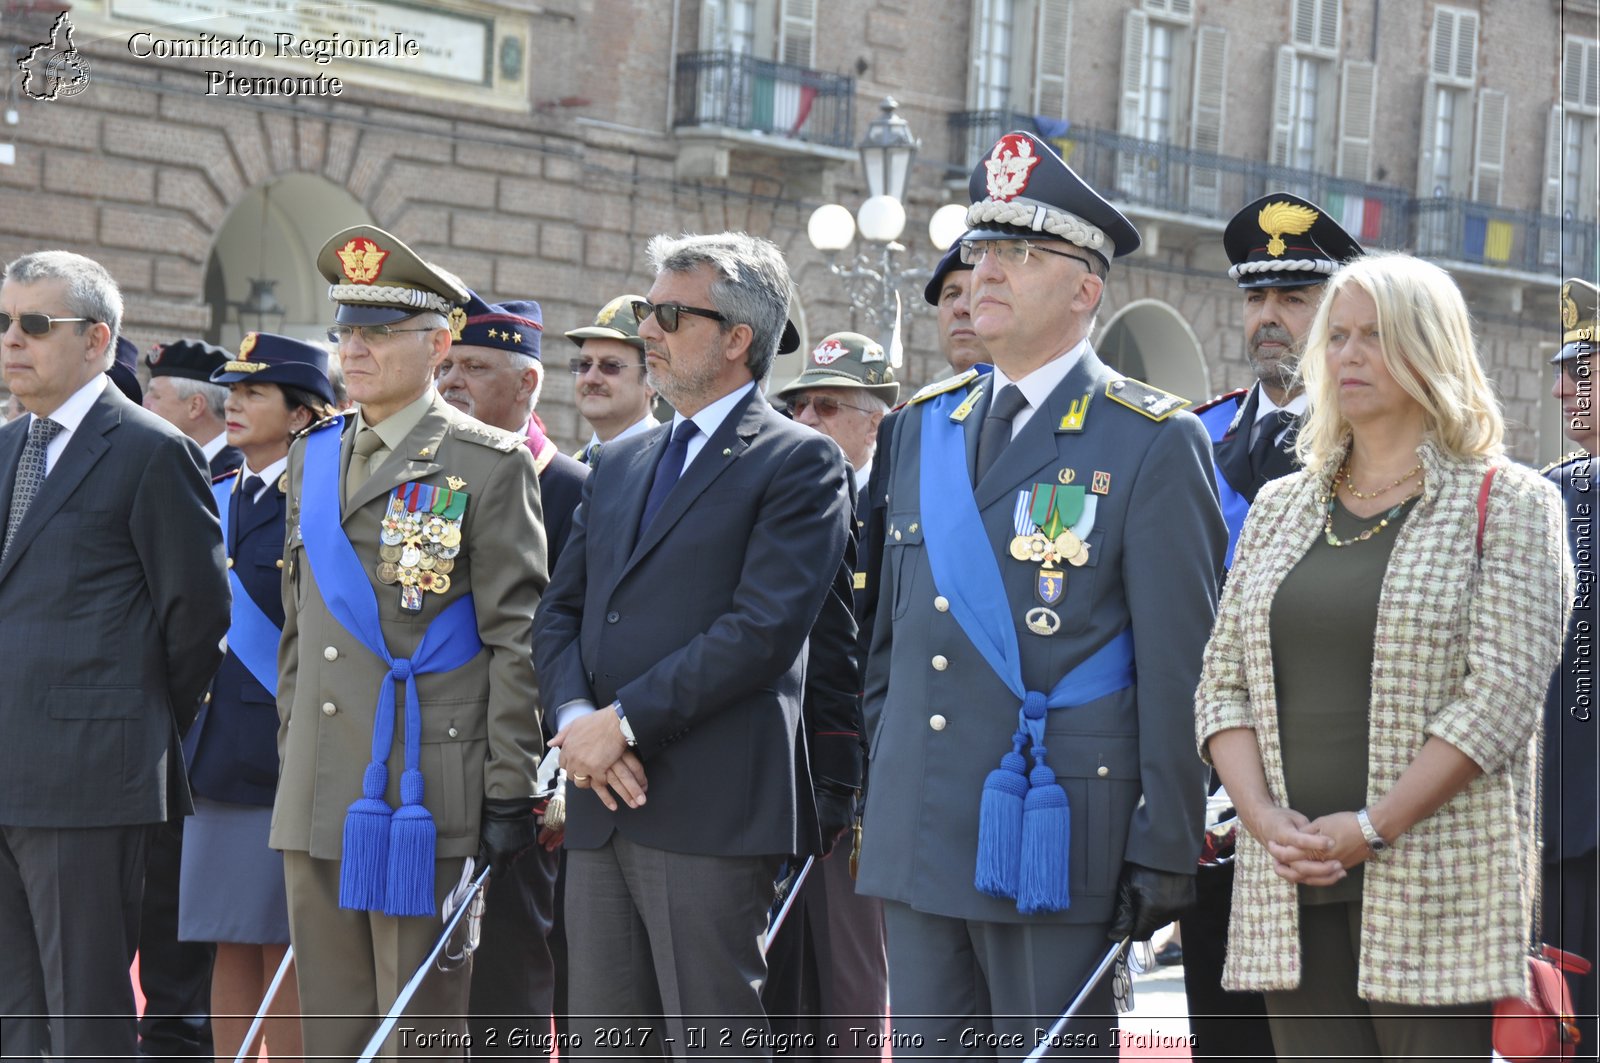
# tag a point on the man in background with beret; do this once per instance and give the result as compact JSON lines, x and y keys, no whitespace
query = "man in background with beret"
{"x":181,"y":391}
{"x":494,"y":374}
{"x":410,"y":731}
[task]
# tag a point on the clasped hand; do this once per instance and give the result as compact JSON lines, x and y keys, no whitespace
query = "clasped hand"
{"x":1310,"y":852}
{"x":596,"y":757}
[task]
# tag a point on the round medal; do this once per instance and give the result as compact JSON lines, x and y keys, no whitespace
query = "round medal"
{"x":1067,"y":544}
{"x":1042,"y":621}
{"x":1020,"y":549}
{"x":451,"y":535}
{"x":391,"y":536}
{"x":389,"y":552}
{"x":1080,"y":558}
{"x":388,"y":572}
{"x":443,"y":565}
{"x":410,"y":556}
{"x":441,"y":583}
{"x":428,"y":563}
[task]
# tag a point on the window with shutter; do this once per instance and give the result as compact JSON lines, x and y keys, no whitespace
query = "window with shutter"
{"x":991,"y":55}
{"x":1283,"y":89}
{"x":1358,"y":100}
{"x":1181,"y":10}
{"x":797,"y":33}
{"x":1053,"y":43}
{"x":1314,"y":26}
{"x":1453,"y":54}
{"x":1205,"y":121}
{"x":1130,"y":107}
{"x":1580,"y":75}
{"x":1552,"y":164}
{"x":1490,"y":155}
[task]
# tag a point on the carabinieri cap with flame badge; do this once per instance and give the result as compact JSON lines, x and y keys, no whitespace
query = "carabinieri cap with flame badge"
{"x":1284,"y":241}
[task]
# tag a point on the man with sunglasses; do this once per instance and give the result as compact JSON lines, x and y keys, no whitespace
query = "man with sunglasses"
{"x":494,"y":373}
{"x":611,"y":390}
{"x":1049,"y":581}
{"x":110,"y":527}
{"x":1571,"y":748}
{"x":410,"y":735}
{"x":672,"y":649}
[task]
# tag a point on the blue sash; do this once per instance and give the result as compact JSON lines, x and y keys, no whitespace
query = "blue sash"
{"x":1024,"y":823}
{"x":1235,"y":508}
{"x":252,"y":636}
{"x":387,"y":861}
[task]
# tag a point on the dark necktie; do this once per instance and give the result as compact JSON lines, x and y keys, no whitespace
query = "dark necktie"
{"x":30,"y":474}
{"x":591,"y":452}
{"x":244,"y":504}
{"x":995,"y":435}
{"x":1270,"y":427}
{"x":668,"y":471}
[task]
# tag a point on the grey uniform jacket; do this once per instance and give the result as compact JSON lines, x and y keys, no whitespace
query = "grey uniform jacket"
{"x":940,"y":718}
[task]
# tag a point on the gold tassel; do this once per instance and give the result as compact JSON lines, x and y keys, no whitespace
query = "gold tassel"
{"x":555,"y":813}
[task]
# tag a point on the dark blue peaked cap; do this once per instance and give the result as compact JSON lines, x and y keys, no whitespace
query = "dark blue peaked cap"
{"x":266,"y":358}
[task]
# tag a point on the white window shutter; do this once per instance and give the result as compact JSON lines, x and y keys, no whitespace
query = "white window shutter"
{"x":1466,"y":50}
{"x":1130,"y":109}
{"x":1580,"y":75}
{"x":1490,"y":153}
{"x":797,"y":33}
{"x":1303,"y":23}
{"x":1053,"y":47}
{"x":1441,"y":63}
{"x":1358,"y":101}
{"x":1328,"y":27}
{"x":1430,"y":117}
{"x":1181,"y":9}
{"x":1207,"y":105}
{"x":1553,"y":150}
{"x":1282,"y":107}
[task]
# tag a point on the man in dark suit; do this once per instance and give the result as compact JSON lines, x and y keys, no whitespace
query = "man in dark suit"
{"x":1283,"y":249}
{"x":1038,"y":641}
{"x":181,"y":391}
{"x":1571,"y":749}
{"x":494,"y":373}
{"x":698,"y":562}
{"x":110,"y":526}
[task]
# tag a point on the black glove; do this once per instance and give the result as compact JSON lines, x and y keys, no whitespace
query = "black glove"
{"x":1148,"y":900}
{"x":509,"y":827}
{"x":836,"y":810}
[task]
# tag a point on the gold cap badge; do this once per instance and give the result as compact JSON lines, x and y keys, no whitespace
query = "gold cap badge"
{"x":361,"y":260}
{"x":1278,"y":218}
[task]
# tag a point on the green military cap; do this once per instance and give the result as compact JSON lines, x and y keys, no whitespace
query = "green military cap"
{"x":1580,"y":309}
{"x":377,"y":280}
{"x":615,"y":321}
{"x":847,"y":360}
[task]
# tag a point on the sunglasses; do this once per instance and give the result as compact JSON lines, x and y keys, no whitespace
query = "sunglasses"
{"x":368,"y":333}
{"x":826,"y":405}
{"x":1011,"y":254}
{"x":36,"y":324}
{"x":667,"y":313}
{"x":1576,"y":369}
{"x":607,"y":366}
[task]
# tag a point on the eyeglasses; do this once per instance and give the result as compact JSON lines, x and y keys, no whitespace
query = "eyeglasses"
{"x":607,"y":366}
{"x":1011,"y":254}
{"x":1576,"y":369}
{"x":667,"y":313}
{"x":36,"y":324}
{"x":826,"y":405}
{"x":368,"y":333}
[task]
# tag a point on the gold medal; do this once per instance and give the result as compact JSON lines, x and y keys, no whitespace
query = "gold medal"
{"x":1020,"y":548}
{"x":388,"y":572}
{"x":1038,"y":546}
{"x":428,"y":563}
{"x":441,"y":583}
{"x":389,"y":553}
{"x":408,"y":577}
{"x":450,"y":536}
{"x":1079,"y":559}
{"x":1067,"y":545}
{"x":443,"y":565}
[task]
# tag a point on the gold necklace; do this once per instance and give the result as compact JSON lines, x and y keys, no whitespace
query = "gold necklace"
{"x":1334,"y":540}
{"x":1343,"y":476}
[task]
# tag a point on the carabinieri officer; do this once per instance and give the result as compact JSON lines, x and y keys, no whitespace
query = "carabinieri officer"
{"x":410,"y":738}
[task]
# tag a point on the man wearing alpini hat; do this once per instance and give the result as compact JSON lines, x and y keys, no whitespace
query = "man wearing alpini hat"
{"x":1049,"y":580}
{"x":410,"y":737}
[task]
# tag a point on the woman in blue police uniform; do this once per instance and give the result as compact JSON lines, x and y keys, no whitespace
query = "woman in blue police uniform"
{"x":232,"y":888}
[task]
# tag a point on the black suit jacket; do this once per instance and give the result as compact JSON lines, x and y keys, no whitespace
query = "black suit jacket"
{"x":227,"y":460}
{"x":122,"y":539}
{"x":699,"y":628}
{"x":560,"y":490}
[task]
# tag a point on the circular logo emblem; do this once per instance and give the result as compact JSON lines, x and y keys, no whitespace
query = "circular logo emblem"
{"x":68,"y":72}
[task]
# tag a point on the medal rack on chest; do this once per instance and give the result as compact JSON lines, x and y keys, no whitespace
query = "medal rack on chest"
{"x":420,"y":536}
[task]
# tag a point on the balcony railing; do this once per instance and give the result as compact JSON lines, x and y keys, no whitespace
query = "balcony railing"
{"x":1176,"y":180}
{"x":738,"y":91}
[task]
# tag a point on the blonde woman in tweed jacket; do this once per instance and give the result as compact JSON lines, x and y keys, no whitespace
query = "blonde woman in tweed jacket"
{"x":1372,"y":685}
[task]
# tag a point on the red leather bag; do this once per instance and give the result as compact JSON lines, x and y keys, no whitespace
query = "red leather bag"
{"x":1540,"y":1026}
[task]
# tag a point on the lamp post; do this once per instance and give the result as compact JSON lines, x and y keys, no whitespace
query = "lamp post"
{"x":873,"y":276}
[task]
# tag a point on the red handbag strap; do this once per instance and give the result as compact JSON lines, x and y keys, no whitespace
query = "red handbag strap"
{"x":1483,"y":505}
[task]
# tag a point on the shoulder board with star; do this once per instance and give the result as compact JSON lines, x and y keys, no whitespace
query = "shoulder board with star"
{"x":484,"y":435}
{"x":939,"y":387}
{"x":1565,"y":459}
{"x":319,"y":425}
{"x":1237,"y":394}
{"x":1144,"y":398}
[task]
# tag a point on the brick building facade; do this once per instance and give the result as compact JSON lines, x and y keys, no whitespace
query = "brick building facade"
{"x":533,"y":147}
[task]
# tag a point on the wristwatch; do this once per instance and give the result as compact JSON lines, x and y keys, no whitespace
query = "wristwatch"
{"x":1375,"y":840}
{"x":627,"y":728}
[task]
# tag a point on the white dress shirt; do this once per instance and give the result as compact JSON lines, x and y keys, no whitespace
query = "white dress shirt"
{"x":69,"y":415}
{"x":1037,"y":385}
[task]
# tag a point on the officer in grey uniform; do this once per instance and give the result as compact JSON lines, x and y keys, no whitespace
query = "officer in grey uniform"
{"x":1053,"y":550}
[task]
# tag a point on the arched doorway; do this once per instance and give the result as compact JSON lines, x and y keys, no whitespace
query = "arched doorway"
{"x":269,"y":243}
{"x":1149,"y":341}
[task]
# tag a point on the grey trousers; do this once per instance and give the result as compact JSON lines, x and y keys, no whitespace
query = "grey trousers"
{"x":1324,"y":1018}
{"x":665,"y":952}
{"x":69,"y":925}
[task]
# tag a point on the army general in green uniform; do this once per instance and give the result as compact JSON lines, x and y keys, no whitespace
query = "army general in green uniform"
{"x":415,"y":558}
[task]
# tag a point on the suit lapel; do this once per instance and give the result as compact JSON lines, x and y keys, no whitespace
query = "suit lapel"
{"x":84,"y":449}
{"x":1232,"y":451}
{"x":248,"y":516}
{"x":634,"y":469}
{"x":1036,"y":448}
{"x":412,"y":460}
{"x":12,"y":439}
{"x":730,"y":440}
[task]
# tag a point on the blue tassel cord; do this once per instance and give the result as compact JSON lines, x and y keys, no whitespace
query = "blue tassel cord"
{"x":1046,"y":843}
{"x":365,"y":864}
{"x":411,"y":852}
{"x":1000,"y":824}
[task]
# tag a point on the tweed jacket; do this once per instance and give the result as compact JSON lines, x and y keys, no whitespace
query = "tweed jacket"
{"x":1464,"y":648}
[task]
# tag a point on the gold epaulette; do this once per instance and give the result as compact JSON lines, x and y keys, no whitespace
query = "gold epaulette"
{"x":1565,"y":459}
{"x":1145,"y":399}
{"x":939,"y":387}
